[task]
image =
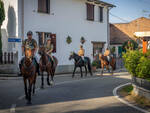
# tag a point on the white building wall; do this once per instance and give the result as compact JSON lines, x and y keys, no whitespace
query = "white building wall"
{"x":10,"y":25}
{"x":68,"y":17}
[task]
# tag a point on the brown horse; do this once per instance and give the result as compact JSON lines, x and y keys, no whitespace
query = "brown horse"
{"x":48,"y":66}
{"x":105,"y":63}
{"x":29,"y":73}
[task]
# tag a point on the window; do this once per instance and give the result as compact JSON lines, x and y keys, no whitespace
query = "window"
{"x":101,"y":14}
{"x":44,"y":6}
{"x":43,"y":37}
{"x":90,"y":12}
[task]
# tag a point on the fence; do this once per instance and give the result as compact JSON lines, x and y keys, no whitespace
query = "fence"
{"x":7,"y":58}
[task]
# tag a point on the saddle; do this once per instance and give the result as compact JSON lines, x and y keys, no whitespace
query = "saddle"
{"x":107,"y":60}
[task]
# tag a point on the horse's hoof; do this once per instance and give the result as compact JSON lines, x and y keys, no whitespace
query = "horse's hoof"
{"x":26,"y":98}
{"x":42,"y":87}
{"x":29,"y":103}
{"x":51,"y":83}
{"x":48,"y":84}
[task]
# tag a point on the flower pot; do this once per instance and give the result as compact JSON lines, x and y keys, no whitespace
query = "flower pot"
{"x":94,"y":68}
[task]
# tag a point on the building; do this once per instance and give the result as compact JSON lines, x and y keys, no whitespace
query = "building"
{"x":58,"y":19}
{"x":121,"y":32}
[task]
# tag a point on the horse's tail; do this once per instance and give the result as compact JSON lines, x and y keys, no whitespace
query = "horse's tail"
{"x":89,"y":65}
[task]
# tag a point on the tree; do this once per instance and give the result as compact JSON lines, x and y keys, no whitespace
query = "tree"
{"x":2,"y":18}
{"x":129,"y":45}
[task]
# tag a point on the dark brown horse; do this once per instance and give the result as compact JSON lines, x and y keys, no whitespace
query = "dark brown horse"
{"x":29,"y":73}
{"x":47,"y":65}
{"x":105,"y":63}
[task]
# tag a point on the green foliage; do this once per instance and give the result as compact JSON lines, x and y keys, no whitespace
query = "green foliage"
{"x":113,"y":49}
{"x":69,"y":40}
{"x":82,"y":40}
{"x":137,"y":63}
{"x":143,"y":68}
{"x":131,"y":59}
{"x":95,"y":63}
{"x":0,"y":43}
{"x":128,"y":89}
{"x":2,"y":12}
{"x":129,"y":45}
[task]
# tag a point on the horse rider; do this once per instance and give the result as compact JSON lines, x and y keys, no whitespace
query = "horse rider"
{"x":49,"y":49}
{"x":31,"y":44}
{"x":107,"y":54}
{"x":81,"y":52}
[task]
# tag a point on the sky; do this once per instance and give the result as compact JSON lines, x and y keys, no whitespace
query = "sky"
{"x":128,"y":10}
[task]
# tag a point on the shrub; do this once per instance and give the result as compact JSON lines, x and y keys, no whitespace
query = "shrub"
{"x":137,"y":63}
{"x":143,"y":68}
{"x":131,"y":60}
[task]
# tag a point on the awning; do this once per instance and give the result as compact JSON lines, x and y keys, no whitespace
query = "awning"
{"x":142,"y":34}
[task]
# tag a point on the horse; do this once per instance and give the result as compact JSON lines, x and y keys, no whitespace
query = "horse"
{"x":105,"y":63}
{"x":48,"y":66}
{"x":80,"y":63}
{"x":29,"y":73}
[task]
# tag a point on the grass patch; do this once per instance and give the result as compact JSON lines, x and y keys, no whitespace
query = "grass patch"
{"x":129,"y":95}
{"x":127,"y":89}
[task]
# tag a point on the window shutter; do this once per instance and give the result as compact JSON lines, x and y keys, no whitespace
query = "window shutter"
{"x":48,"y":6}
{"x":101,"y":14}
{"x":53,"y":36}
{"x":44,"y":6}
{"x":90,"y":12}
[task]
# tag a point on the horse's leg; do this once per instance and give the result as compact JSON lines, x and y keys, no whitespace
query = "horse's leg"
{"x":107,"y":67}
{"x":34,"y":83}
{"x":25,"y":88}
{"x":102,"y":70}
{"x":52,"y":77}
{"x":85,"y":70}
{"x":42,"y":79}
{"x":74,"y":71}
{"x":48,"y":74}
{"x":29,"y":92}
{"x":81,"y":71}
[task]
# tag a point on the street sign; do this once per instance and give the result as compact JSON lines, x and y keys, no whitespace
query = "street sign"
{"x":14,"y":39}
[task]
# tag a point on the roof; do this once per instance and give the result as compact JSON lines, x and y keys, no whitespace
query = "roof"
{"x":121,"y":32}
{"x":117,"y":36}
{"x":102,"y":3}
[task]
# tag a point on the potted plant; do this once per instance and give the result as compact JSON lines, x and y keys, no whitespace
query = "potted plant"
{"x":94,"y":65}
{"x":82,"y":40}
{"x":68,"y":40}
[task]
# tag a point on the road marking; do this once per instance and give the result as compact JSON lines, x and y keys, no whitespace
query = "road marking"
{"x":125,"y":102}
{"x":13,"y":107}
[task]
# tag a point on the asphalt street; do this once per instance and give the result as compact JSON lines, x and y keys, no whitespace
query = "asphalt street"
{"x":77,"y":95}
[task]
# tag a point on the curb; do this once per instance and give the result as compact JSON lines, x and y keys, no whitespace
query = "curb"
{"x":125,"y":102}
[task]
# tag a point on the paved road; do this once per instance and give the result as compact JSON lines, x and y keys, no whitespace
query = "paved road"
{"x":86,"y":95}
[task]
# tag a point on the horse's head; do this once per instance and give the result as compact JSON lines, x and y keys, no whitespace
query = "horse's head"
{"x":28,"y":56}
{"x":72,"y":55}
{"x":41,"y":50}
